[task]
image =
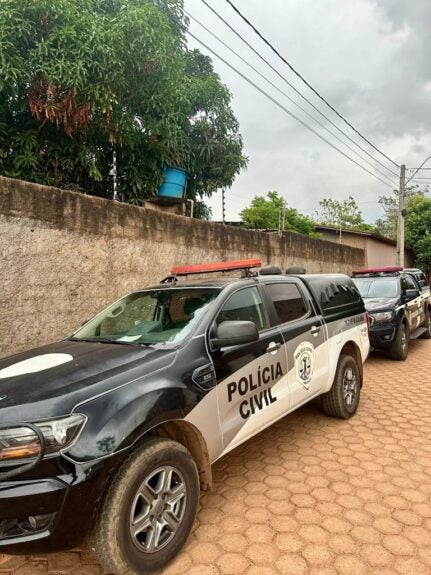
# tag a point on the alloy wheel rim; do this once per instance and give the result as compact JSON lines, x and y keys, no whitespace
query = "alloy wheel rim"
{"x":158,"y":509}
{"x":349,"y":387}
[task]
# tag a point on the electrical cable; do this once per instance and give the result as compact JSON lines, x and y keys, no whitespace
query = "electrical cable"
{"x":288,"y":112}
{"x":305,"y":81}
{"x":291,"y":99}
{"x":295,"y":89}
{"x":417,"y":169}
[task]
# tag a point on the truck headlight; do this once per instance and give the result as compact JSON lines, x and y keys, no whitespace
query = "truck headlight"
{"x":18,"y":443}
{"x":382,"y":317}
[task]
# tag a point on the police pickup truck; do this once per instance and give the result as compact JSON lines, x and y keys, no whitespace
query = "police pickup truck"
{"x":112,"y":432}
{"x":399,"y":305}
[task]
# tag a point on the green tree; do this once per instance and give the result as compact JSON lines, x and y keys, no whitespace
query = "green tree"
{"x":418,"y":230}
{"x":344,"y":213}
{"x":79,"y":78}
{"x":265,"y":213}
{"x":388,"y":224}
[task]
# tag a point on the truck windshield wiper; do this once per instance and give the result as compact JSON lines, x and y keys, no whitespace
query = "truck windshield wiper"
{"x":107,"y":340}
{"x":102,"y":340}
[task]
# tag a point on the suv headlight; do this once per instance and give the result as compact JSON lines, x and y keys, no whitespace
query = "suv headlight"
{"x":383,"y":316}
{"x":17,"y":443}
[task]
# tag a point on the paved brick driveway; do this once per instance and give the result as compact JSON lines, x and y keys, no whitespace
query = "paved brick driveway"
{"x":313,"y":495}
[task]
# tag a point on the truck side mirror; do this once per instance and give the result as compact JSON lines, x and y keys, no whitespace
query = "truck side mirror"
{"x":234,"y":333}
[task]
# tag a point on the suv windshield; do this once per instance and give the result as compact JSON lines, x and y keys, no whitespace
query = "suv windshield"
{"x":377,"y":288}
{"x":149,"y":317}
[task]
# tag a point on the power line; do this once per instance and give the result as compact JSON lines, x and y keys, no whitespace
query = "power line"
{"x":288,"y":112}
{"x":293,"y":101}
{"x":298,"y":92}
{"x":417,"y":169}
{"x":305,"y":81}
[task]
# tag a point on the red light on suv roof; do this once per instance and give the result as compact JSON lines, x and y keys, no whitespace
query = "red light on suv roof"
{"x":215,"y":267}
{"x":378,"y":270}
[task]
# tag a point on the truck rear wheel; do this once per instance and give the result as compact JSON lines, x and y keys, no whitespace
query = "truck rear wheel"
{"x":149,"y":509}
{"x":342,"y":399}
{"x":400,"y":348}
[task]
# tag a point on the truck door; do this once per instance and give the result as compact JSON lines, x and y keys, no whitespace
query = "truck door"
{"x":305,"y":340}
{"x":415,"y":308}
{"x":252,"y":386}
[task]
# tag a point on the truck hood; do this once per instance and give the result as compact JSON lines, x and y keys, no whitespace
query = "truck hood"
{"x":50,"y":381}
{"x":380,"y":304}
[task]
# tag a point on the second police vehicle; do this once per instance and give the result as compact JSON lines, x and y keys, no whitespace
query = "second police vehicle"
{"x":112,"y":432}
{"x":399,"y":305}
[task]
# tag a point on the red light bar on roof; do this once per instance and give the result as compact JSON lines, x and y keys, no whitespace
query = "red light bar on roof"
{"x":215,"y":267}
{"x":378,"y":270}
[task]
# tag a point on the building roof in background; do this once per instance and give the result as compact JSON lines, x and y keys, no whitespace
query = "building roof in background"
{"x":373,"y":235}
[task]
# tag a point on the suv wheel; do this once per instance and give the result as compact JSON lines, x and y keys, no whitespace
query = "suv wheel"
{"x":427,"y":324}
{"x":342,"y":399}
{"x":400,"y":348}
{"x":149,"y":509}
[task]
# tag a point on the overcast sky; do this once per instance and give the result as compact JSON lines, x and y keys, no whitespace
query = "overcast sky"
{"x":369,"y":58}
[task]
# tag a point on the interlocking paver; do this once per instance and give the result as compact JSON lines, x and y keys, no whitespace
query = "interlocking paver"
{"x":312,"y":495}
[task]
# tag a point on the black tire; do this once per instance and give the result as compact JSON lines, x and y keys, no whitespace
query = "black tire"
{"x":399,"y":350}
{"x":427,"y":324}
{"x":120,"y":552}
{"x":342,"y":399}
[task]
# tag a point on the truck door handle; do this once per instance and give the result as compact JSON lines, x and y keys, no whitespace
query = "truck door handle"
{"x":273,"y":347}
{"x":315,"y":330}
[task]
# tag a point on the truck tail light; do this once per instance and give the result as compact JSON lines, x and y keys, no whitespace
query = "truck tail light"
{"x":367,"y":318}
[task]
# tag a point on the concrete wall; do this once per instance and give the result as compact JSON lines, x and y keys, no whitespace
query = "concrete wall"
{"x":65,"y":256}
{"x":381,"y":255}
{"x":377,"y":253}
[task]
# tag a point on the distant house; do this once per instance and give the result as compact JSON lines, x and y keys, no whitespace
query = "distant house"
{"x":379,"y":251}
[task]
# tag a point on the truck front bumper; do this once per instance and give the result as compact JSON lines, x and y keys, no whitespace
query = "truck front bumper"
{"x":382,"y":336}
{"x":44,"y":513}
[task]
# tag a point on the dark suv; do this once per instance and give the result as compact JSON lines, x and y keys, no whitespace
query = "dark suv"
{"x":115,"y":428}
{"x":399,"y":308}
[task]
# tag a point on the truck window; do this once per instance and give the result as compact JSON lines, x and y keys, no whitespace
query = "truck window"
{"x":409,"y":282}
{"x":288,"y":301}
{"x":244,"y":305}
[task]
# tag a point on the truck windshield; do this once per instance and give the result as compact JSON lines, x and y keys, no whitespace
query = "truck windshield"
{"x":377,"y":288}
{"x":149,"y":317}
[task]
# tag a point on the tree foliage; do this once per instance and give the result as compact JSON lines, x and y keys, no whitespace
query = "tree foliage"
{"x":79,"y":78}
{"x":344,"y":213}
{"x":388,"y":224}
{"x":266,"y":214}
{"x":418,"y":230}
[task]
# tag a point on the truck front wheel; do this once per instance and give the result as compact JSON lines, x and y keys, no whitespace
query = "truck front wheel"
{"x":400,"y":348}
{"x":149,"y":509}
{"x":342,"y":399}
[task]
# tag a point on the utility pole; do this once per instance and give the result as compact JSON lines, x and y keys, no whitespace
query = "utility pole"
{"x":223,"y":207}
{"x":401,"y":215}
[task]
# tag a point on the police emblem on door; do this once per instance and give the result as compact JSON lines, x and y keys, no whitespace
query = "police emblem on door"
{"x":304,"y":360}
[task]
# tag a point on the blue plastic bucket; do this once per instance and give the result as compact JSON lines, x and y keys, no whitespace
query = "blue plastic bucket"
{"x":173,"y":184}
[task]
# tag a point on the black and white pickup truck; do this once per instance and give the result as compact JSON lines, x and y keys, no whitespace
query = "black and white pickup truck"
{"x":399,"y":305}
{"x":112,"y":432}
